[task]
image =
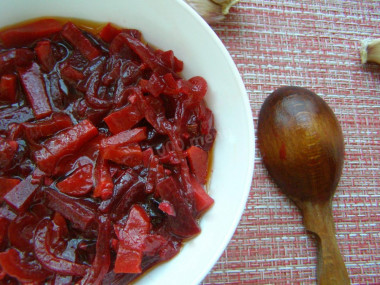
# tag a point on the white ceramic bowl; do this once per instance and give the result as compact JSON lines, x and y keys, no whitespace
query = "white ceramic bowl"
{"x":172,"y":24}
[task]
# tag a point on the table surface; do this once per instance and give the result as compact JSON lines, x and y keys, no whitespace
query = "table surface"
{"x":314,"y":44}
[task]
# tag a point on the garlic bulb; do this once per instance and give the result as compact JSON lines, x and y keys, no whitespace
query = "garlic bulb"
{"x":370,"y":51}
{"x":212,"y":11}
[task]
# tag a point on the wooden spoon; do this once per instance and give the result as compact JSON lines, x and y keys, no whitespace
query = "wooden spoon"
{"x":302,"y":146}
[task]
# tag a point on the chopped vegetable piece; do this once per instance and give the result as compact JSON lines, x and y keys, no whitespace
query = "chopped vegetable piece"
{"x":34,"y":87}
{"x":63,"y":144}
{"x":130,"y":155}
{"x":108,"y":33}
{"x":8,"y":150}
{"x":182,"y":224}
{"x":30,"y":32}
{"x":198,"y":160}
{"x":102,"y":260}
{"x":79,"y":183}
{"x":167,"y":208}
{"x":76,"y":211}
{"x":15,"y":58}
{"x":202,"y":201}
{"x":21,"y":230}
{"x":123,"y":119}
{"x":23,"y":271}
{"x":126,"y":137}
{"x":103,"y":180}
{"x":131,"y":238}
{"x":42,"y":245}
{"x":46,"y":128}
{"x":22,"y":194}
{"x":45,"y":55}
{"x":77,"y":39}
{"x":6,"y":185}
{"x":8,"y":86}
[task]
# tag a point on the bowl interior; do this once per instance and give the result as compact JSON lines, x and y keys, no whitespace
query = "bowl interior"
{"x":169,"y":24}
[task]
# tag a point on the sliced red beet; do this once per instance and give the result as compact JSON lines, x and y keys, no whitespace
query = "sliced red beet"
{"x":46,"y":128}
{"x":130,"y":155}
{"x":198,"y":160}
{"x":76,"y":211}
{"x":103,"y":180}
{"x":21,"y":230}
{"x":22,"y":194}
{"x":6,"y":185}
{"x":30,"y":32}
{"x":202,"y":201}
{"x":108,"y":33}
{"x":8,"y":149}
{"x":167,"y":208}
{"x":34,"y":87}
{"x":126,"y":137}
{"x":43,"y":252}
{"x":79,"y":183}
{"x":75,"y":36}
{"x":123,"y":119}
{"x":64,"y":144}
{"x":8,"y":88}
{"x":131,"y":238}
{"x":45,"y":55}
{"x":123,"y":184}
{"x":15,"y":58}
{"x":183,"y":224}
{"x":102,"y":260}
{"x":23,"y":271}
{"x":4,"y":223}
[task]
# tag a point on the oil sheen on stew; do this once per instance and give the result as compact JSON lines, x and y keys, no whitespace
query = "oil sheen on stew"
{"x":104,"y":152}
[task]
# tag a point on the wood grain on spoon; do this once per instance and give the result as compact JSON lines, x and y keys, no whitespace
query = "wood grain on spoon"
{"x":302,"y":146}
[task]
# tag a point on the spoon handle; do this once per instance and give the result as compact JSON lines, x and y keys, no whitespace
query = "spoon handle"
{"x":318,"y":219}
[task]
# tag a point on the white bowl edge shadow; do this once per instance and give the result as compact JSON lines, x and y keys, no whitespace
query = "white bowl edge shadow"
{"x":234,"y":149}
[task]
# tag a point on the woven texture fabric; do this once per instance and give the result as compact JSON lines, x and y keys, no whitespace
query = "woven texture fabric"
{"x":314,"y":44}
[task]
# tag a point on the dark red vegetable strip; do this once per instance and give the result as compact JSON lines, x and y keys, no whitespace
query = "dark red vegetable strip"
{"x":145,"y":54}
{"x":123,"y":119}
{"x":79,"y":183}
{"x":45,"y":128}
{"x":131,"y":241}
{"x":133,"y":195}
{"x":102,"y":261}
{"x":108,"y":33}
{"x":3,"y":230}
{"x":22,"y":194}
{"x":42,"y":246}
{"x":15,"y":58}
{"x":72,"y":209}
{"x":14,"y":266}
{"x":126,"y":137}
{"x":21,"y":230}
{"x":183,"y":224}
{"x":130,"y":155}
{"x":8,"y":149}
{"x":198,"y":160}
{"x":64,"y":144}
{"x":121,"y":186}
{"x":30,"y":32}
{"x":202,"y":201}
{"x":103,"y":180}
{"x":34,"y":87}
{"x":45,"y":55}
{"x":8,"y":84}
{"x":75,"y":36}
{"x":6,"y":185}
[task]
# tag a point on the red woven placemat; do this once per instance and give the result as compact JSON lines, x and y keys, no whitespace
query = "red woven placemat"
{"x":314,"y":44}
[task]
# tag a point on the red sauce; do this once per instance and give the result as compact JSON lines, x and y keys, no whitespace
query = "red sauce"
{"x":104,"y":153}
